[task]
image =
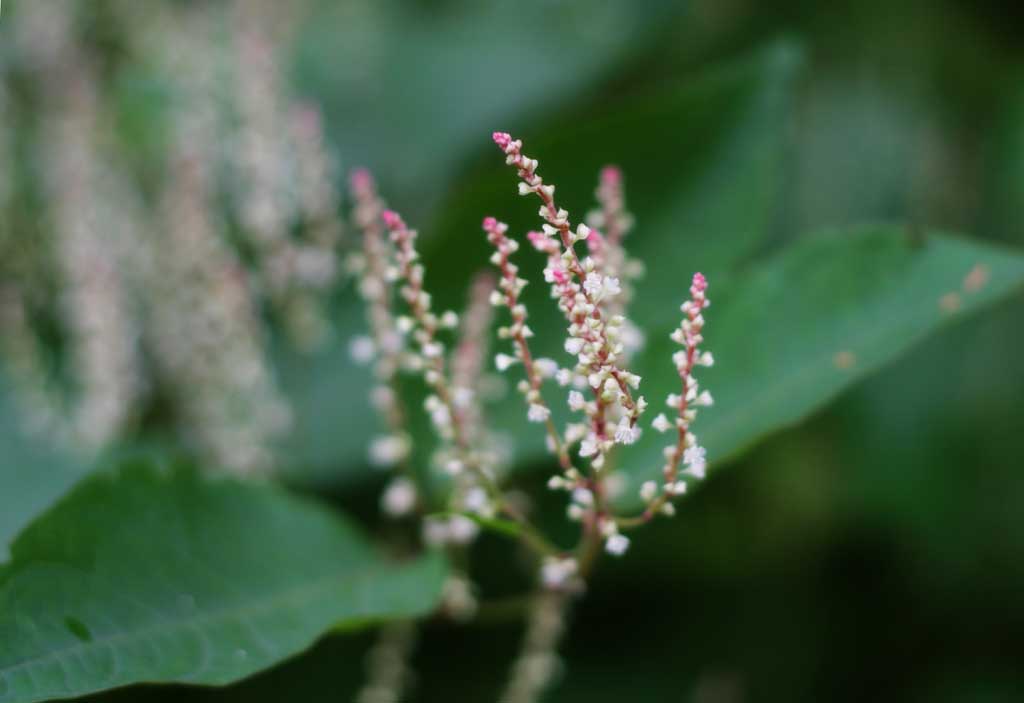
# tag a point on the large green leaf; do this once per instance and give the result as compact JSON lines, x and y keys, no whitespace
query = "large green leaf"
{"x":413,"y":108}
{"x":793,"y":333}
{"x":142,"y":575}
{"x":34,"y":471}
{"x":703,"y":163}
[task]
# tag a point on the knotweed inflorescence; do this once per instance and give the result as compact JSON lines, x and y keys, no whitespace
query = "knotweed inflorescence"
{"x":592,"y":290}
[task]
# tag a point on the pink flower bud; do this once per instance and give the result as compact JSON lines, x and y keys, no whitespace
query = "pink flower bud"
{"x":502,"y":139}
{"x":611,"y":175}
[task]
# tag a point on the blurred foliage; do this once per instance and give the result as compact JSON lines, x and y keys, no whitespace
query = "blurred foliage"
{"x":874,"y":551}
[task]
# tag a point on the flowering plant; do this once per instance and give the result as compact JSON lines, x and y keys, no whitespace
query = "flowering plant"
{"x":246,"y":427}
{"x":592,"y":292}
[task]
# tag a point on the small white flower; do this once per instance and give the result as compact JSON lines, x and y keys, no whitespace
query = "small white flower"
{"x":695,"y":458}
{"x":576,"y":400}
{"x":388,"y":450}
{"x":462,"y":530}
{"x":546,"y":368}
{"x":503,"y":361}
{"x":556,"y":572}
{"x":441,"y":416}
{"x":611,"y":386}
{"x":612,"y":286}
{"x":574,"y":345}
{"x":583,"y":497}
{"x":361,"y":349}
{"x":477,"y":501}
{"x":626,"y":434}
{"x":588,"y":447}
{"x":661,"y":423}
{"x":537,"y":413}
{"x":648,"y":490}
{"x":563,"y":377}
{"x":706,"y":359}
{"x":617,"y":545}
{"x":704,"y":399}
{"x":592,"y":284}
{"x":399,"y":497}
{"x":462,"y":397}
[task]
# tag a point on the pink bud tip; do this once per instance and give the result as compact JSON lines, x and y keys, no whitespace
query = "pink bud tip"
{"x":392,"y":219}
{"x":612,"y":175}
{"x":361,"y":179}
{"x":700,"y":283}
{"x":502,"y":139}
{"x":535,"y":238}
{"x":490,"y":223}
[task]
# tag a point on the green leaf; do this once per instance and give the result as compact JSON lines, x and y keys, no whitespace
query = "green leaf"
{"x":457,"y":69}
{"x":148,"y":576}
{"x":34,"y":472}
{"x":702,"y":160}
{"x":795,"y":332}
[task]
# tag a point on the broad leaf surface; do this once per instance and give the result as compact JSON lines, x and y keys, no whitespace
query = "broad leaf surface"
{"x":796,"y":331}
{"x":166,"y":576}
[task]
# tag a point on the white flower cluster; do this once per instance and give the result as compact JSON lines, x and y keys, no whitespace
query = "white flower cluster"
{"x":609,"y":224}
{"x":507,"y":295}
{"x":208,"y":334}
{"x":91,"y":241}
{"x":589,"y":294}
{"x":286,"y":177}
{"x":593,"y":339}
{"x":452,"y":409}
{"x":385,"y":346}
{"x":172,"y":288}
{"x":685,"y":450}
